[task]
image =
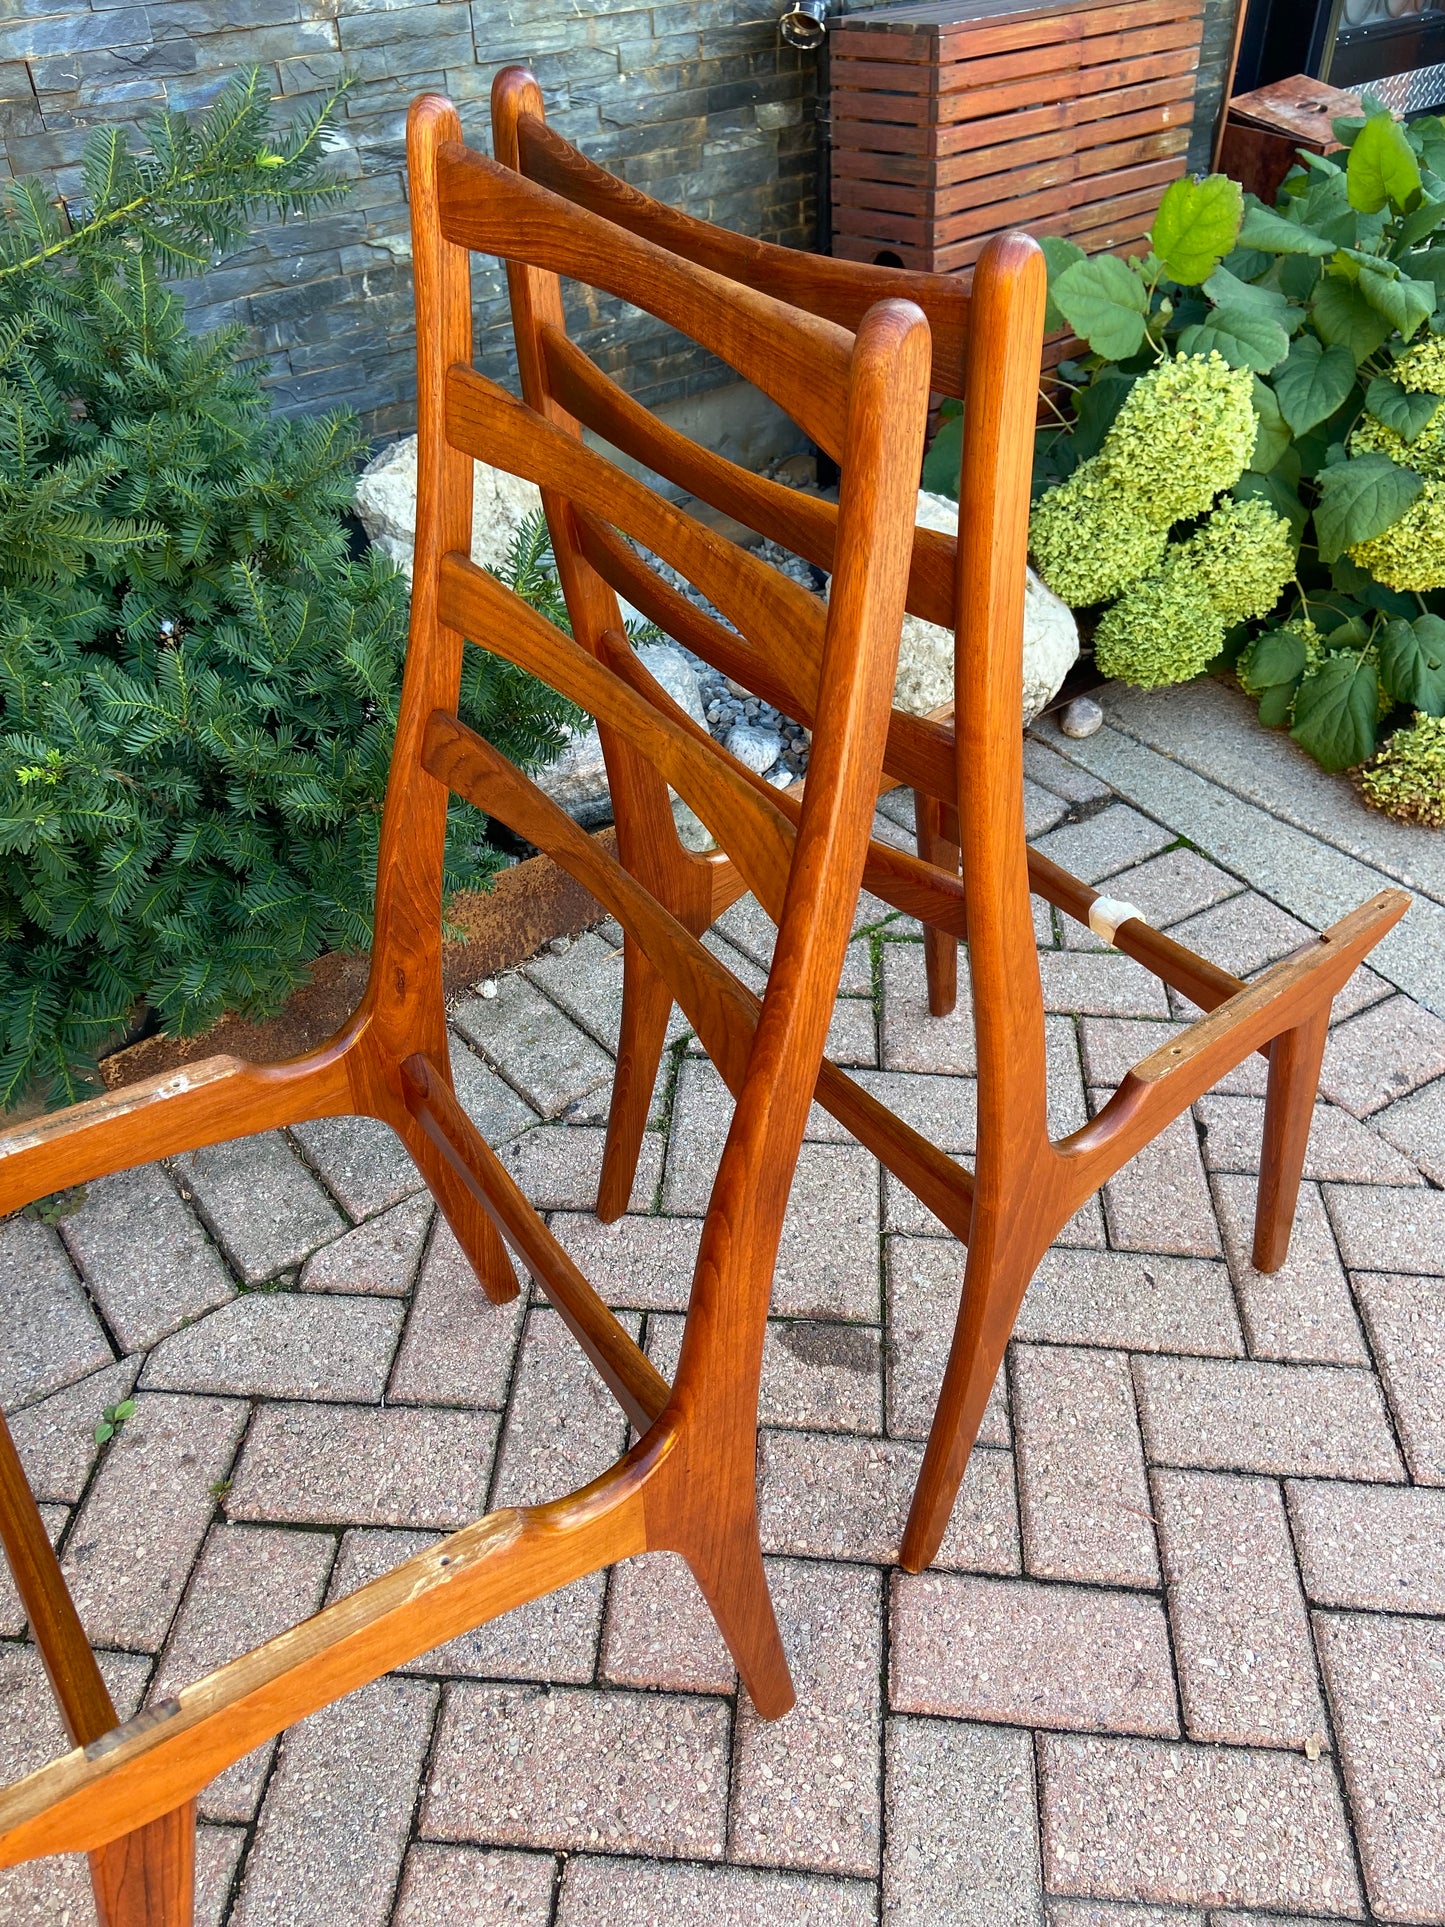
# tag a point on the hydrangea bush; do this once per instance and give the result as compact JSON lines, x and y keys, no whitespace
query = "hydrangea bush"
{"x":1248,"y":467}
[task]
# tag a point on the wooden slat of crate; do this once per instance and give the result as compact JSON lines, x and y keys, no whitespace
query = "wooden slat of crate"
{"x":894,"y":131}
{"x":1005,"y":210}
{"x":946,"y":85}
{"x":1018,"y":80}
{"x":921,"y":36}
{"x":1164,"y":109}
{"x":980,"y":192}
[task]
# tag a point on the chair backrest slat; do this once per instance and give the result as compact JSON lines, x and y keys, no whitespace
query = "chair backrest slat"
{"x":798,"y":521}
{"x":802,"y":365}
{"x":487,"y":422}
{"x":843,"y":291}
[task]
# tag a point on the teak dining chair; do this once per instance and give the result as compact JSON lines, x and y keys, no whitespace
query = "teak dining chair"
{"x":967,"y":775}
{"x":126,"y":1793}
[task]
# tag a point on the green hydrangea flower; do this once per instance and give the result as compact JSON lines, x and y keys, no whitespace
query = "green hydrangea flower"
{"x":1425,"y":454}
{"x":1085,"y":543}
{"x":1410,"y":554}
{"x":1185,"y":431}
{"x":1168,"y":627}
{"x":1422,"y":369}
{"x":1407,"y":778}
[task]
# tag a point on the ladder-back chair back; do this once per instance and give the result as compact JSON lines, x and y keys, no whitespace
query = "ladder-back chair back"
{"x":967,"y":775}
{"x":127,"y":1791}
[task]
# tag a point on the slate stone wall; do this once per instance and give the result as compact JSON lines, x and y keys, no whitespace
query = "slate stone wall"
{"x":695,"y":101}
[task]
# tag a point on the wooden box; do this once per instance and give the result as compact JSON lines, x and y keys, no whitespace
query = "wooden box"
{"x":951,"y":121}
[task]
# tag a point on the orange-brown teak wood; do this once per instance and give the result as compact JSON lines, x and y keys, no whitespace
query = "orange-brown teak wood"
{"x":967,"y":774}
{"x":126,"y":1794}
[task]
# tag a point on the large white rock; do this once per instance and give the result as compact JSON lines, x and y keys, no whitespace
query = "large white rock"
{"x":925,"y":652}
{"x":577,"y":781}
{"x":386,"y":503}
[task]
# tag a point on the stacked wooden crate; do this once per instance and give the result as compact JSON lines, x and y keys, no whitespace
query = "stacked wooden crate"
{"x":955,"y":119}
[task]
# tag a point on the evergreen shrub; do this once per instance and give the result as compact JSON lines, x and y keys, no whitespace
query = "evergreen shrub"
{"x":198,"y":683}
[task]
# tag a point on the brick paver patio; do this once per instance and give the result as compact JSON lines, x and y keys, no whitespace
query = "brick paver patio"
{"x":1182,"y":1658}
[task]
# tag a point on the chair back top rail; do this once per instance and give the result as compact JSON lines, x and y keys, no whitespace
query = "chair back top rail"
{"x":842,"y":291}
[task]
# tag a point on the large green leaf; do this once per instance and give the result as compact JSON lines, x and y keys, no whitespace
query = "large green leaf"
{"x":1277,"y":657}
{"x":1335,"y":710}
{"x":1314,"y":382}
{"x":1226,"y":290}
{"x":1095,"y":408}
{"x":1342,"y":314}
{"x":1405,"y":304}
{"x":1196,"y":226}
{"x":1407,"y":414}
{"x":1382,"y":168}
{"x":1270,"y":232}
{"x":1425,"y":219}
{"x":1412,"y":662}
{"x":1245,"y":338}
{"x":1272,"y":436}
{"x":1359,"y":499}
{"x":1059,"y":255}
{"x":1104,"y":301}
{"x":941,"y":463}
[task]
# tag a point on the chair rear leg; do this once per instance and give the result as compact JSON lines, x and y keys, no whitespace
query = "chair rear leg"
{"x":736,"y":1589}
{"x":940,"y":949}
{"x":1294,"y":1075}
{"x":646,"y":1007}
{"x":148,"y":1878}
{"x":994,"y":1282}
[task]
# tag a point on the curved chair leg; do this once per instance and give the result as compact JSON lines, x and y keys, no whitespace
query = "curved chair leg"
{"x":940,"y":950}
{"x":736,"y":1589}
{"x":994,"y":1282}
{"x":1294,"y":1075}
{"x":485,"y":1249}
{"x":646,"y":1007}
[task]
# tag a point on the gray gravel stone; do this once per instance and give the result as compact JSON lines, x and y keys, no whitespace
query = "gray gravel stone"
{"x":598,"y":1892}
{"x":261,"y":1202}
{"x":380,"y":1256}
{"x":805,"y":1789}
{"x":1137,"y":1302}
{"x":1030,"y":1655}
{"x":130,"y":1552}
{"x":659,"y":1631}
{"x":1302,"y":1312}
{"x":541,"y":1053}
{"x":459,"y":1346}
{"x":1311,"y":1420}
{"x":147,"y":1262}
{"x":631,"y":1772}
{"x":56,"y":1438}
{"x":828,"y":1496}
{"x":1083,"y":1493}
{"x":1241,"y":1637}
{"x":348,"y":1465}
{"x":1380,"y":1550}
{"x":469,"y":1884}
